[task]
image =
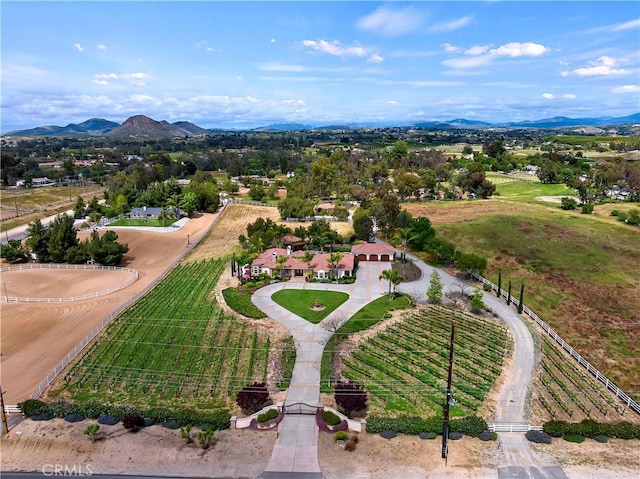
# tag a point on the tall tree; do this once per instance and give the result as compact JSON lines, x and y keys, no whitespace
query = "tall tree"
{"x":363,"y":224}
{"x":393,"y":277}
{"x":61,"y":238}
{"x":334,"y":261}
{"x":434,"y":292}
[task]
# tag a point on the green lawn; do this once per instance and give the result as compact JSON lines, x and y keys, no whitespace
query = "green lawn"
{"x":528,"y":192}
{"x":241,"y":303}
{"x":142,"y":222}
{"x":300,"y":302}
{"x":373,"y":312}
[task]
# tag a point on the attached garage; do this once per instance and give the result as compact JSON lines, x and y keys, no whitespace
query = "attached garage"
{"x":362,"y":257}
{"x":373,"y":257}
{"x":374,"y":252}
{"x":384,"y":257}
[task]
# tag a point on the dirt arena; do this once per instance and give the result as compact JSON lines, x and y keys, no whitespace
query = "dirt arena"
{"x":37,"y":336}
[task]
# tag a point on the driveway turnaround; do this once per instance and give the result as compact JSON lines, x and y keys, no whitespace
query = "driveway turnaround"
{"x":295,"y":453}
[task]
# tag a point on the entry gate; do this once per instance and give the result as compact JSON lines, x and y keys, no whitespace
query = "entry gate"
{"x":300,"y":408}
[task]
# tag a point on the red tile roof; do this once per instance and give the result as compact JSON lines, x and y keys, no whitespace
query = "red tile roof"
{"x":372,"y":248}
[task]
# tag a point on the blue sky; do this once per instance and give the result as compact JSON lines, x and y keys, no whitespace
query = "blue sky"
{"x":245,"y":64}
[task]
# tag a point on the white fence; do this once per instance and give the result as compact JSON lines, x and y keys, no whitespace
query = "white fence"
{"x":513,"y":427}
{"x":83,"y":344}
{"x":251,"y":202}
{"x":103,"y":292}
{"x":624,"y":397}
{"x":11,"y":408}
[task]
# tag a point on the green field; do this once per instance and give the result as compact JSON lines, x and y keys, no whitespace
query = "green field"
{"x":300,"y":302}
{"x":151,"y":222}
{"x":528,"y":192}
{"x":405,"y":366}
{"x":173,"y":346}
{"x":580,"y":274}
{"x":588,"y":140}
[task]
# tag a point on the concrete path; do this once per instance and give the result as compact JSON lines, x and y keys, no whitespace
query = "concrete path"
{"x":296,"y":449}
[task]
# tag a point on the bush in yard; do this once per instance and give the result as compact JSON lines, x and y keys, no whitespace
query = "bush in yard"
{"x":252,"y":398}
{"x":340,"y":436}
{"x":133,"y":422}
{"x":470,"y":425}
{"x":350,"y":446}
{"x":573,"y":438}
{"x":33,"y":407}
{"x":567,"y":203}
{"x":539,"y":437}
{"x":330,"y":418}
{"x":587,"y":209}
{"x":268,"y":416}
{"x":185,"y":433}
{"x":92,"y":431}
{"x":556,"y":428}
{"x":205,"y":437}
{"x":350,"y":397}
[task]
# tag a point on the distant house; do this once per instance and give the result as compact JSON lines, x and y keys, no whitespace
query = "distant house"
{"x":146,"y":212}
{"x":294,"y":265}
{"x":373,"y":252}
{"x":36,"y":182}
{"x":293,"y":242}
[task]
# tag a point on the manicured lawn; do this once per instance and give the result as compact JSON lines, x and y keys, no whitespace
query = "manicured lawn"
{"x":373,"y":312}
{"x":300,"y":302}
{"x":142,"y":222}
{"x":529,"y":191}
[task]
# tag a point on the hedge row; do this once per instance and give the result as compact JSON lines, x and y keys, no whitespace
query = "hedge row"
{"x":218,"y":420}
{"x":470,"y":425}
{"x":591,"y":428}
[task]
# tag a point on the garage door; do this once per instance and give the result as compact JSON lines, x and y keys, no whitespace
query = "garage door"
{"x":362,"y":257}
{"x":373,"y":257}
{"x":384,"y":257}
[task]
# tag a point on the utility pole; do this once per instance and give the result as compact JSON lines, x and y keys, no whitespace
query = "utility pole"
{"x":449,"y":402}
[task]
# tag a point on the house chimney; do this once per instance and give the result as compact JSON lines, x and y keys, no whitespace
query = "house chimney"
{"x":289,"y":250}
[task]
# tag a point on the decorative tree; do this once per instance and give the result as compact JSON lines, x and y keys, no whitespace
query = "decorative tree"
{"x":394,"y":279}
{"x":252,"y":398}
{"x":499,"y":284}
{"x":521,"y":305}
{"x":92,"y":431}
{"x":434,"y":292}
{"x":477,"y":303}
{"x":509,"y":294}
{"x":350,"y":396}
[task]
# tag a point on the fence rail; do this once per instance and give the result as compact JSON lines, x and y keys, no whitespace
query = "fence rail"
{"x":87,"y":339}
{"x":513,"y":427}
{"x":251,"y":202}
{"x":103,"y":292}
{"x":620,"y":394}
{"x":11,"y":408}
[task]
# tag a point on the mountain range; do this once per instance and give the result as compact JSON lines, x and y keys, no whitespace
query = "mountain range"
{"x":141,"y":126}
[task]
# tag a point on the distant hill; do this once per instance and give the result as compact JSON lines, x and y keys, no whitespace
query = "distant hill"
{"x":93,"y":127}
{"x":141,"y":126}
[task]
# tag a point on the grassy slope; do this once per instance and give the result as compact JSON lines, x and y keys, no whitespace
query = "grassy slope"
{"x":580,"y":271}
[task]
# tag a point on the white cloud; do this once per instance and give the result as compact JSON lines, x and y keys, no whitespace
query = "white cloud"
{"x":273,"y":40}
{"x":450,"y":26}
{"x":517,"y":49}
{"x":569,"y":96}
{"x":239,"y":78}
{"x":391,"y":102}
{"x":564,"y":73}
{"x":134,"y":79}
{"x":375,"y":58}
{"x":293,"y":102}
{"x":100,"y":46}
{"x":626,"y":26}
{"x":548,"y":96}
{"x":477,"y":50}
{"x":145,"y":100}
{"x":626,"y":89}
{"x":335,"y":48}
{"x":468,"y":62}
{"x":603,"y":66}
{"x":450,"y":48}
{"x":391,"y":22}
{"x":78,"y":47}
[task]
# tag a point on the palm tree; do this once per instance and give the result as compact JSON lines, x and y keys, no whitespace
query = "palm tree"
{"x":334,"y":260}
{"x":405,"y":234}
{"x":163,"y":216}
{"x":321,"y":241}
{"x":393,"y":277}
{"x":174,"y":203}
{"x":307,"y":257}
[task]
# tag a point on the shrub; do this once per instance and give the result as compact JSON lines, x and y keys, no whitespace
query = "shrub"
{"x":470,"y":425}
{"x":614,"y":213}
{"x":92,"y":431}
{"x":340,"y":436}
{"x":133,"y":422}
{"x":539,"y":437}
{"x":601,"y":438}
{"x":185,"y":433}
{"x":487,"y":436}
{"x":252,"y":398}
{"x":625,"y":430}
{"x":587,"y":209}
{"x":205,"y":437}
{"x":586,"y":428}
{"x":33,"y":407}
{"x":330,"y":418}
{"x":73,"y":417}
{"x":573,"y":438}
{"x":45,"y":416}
{"x":107,"y":419}
{"x":268,"y":416}
{"x":350,"y":396}
{"x":388,"y":434}
{"x":556,"y":428}
{"x":567,"y":203}
{"x":350,"y":446}
{"x":409,"y":425}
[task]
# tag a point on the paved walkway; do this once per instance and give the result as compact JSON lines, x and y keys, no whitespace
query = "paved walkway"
{"x":296,"y":449}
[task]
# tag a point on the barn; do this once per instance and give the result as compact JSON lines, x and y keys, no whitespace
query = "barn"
{"x":373,"y":252}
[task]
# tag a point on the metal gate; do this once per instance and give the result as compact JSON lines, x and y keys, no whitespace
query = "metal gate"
{"x":300,"y":408}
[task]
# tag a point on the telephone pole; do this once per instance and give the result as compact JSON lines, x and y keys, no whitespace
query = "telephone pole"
{"x":5,"y":425}
{"x":450,"y":401}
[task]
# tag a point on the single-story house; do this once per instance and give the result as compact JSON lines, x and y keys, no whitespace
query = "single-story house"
{"x":150,"y":212}
{"x":373,"y":252}
{"x":295,"y":265}
{"x":294,"y":242}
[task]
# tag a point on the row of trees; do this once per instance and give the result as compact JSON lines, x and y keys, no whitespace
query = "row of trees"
{"x":59,"y":243}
